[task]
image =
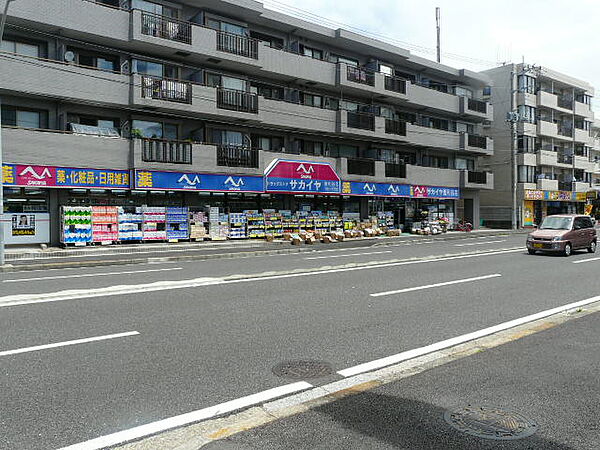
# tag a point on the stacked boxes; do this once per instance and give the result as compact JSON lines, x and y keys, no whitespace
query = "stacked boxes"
{"x":76,"y":225}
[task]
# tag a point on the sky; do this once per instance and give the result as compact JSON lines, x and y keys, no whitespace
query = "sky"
{"x":563,"y":35}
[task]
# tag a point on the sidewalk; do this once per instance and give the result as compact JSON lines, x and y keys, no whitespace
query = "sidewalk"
{"x":34,"y":257}
{"x":550,"y":379}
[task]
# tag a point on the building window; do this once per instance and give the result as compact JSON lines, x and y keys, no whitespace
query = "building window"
{"x":312,"y":52}
{"x":226,"y":27}
{"x":525,"y":144}
{"x":101,"y":62}
{"x":154,"y":8}
{"x":386,"y":70}
{"x":267,"y":40}
{"x":464,"y":164}
{"x":307,"y":147}
{"x":311,"y":100}
{"x":527,"y":113}
{"x":441,"y":162}
{"x":155,"y":69}
{"x":228,"y":137}
{"x":221,"y":81}
{"x":438,"y":124}
{"x":267,"y":143}
{"x":24,"y":118}
{"x":463,"y":92}
{"x":342,"y":59}
{"x":268,"y":91}
{"x":527,"y":174}
{"x":526,"y":84}
{"x":21,"y":48}
{"x":154,"y":130}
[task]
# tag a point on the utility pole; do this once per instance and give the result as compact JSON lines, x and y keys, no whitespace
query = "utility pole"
{"x":513,"y":156}
{"x":2,"y":24}
{"x":437,"y":25}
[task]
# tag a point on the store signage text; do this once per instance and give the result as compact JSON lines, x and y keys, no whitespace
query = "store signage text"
{"x":375,"y":189}
{"x":179,"y":181}
{"x":555,"y":196}
{"x":68,"y":177}
{"x":434,"y":192}
{"x":302,"y":177}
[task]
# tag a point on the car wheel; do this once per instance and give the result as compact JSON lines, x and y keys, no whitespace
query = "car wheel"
{"x":568,"y":249}
{"x":592,"y":247}
{"x":531,"y":251}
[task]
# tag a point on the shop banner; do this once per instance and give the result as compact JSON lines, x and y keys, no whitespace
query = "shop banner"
{"x":434,"y":192}
{"x":528,"y":213}
{"x":301,"y":177}
{"x":64,"y":177}
{"x":533,"y":194}
{"x":375,"y":189}
{"x":180,"y":181}
{"x":26,"y":228}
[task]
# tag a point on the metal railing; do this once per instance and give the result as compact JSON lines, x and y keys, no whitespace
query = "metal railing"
{"x":166,"y":151}
{"x":166,"y":89}
{"x":395,"y":170}
{"x":236,"y":44}
{"x":237,"y":156}
{"x":474,"y":140}
{"x":166,"y":28}
{"x":477,"y":105}
{"x":361,"y":167}
{"x":477,"y":177}
{"x":397,"y":127}
{"x":395,"y":84}
{"x":358,"y":75}
{"x":361,"y":121}
{"x":237,"y":100}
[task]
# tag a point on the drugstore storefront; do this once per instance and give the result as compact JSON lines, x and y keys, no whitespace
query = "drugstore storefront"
{"x":539,"y":204}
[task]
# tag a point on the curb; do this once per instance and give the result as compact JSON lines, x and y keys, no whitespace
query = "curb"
{"x":231,"y":255}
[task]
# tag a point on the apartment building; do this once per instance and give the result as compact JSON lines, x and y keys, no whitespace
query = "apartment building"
{"x":556,"y":163}
{"x":196,"y":102}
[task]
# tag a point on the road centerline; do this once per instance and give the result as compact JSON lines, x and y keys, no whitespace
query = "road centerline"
{"x":89,"y":275}
{"x":347,"y":255}
{"x":68,"y":343}
{"x":586,"y":260}
{"x":479,"y":243}
{"x":430,"y":286}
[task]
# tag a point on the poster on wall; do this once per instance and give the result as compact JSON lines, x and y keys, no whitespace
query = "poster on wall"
{"x":27,"y":228}
{"x":23,"y":224}
{"x":528,"y":213}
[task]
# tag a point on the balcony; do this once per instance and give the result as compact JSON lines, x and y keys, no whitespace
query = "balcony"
{"x":432,"y":137}
{"x":364,"y":167}
{"x":582,"y":136}
{"x":395,"y":170}
{"x":564,"y":158}
{"x":237,"y":45}
{"x":565,"y":132}
{"x":396,"y":127}
{"x":166,"y":151}
{"x":477,"y":144}
{"x":166,"y":90}
{"x":565,"y":103}
{"x":166,"y":28}
{"x":361,"y":121}
{"x":358,"y":75}
{"x":547,"y":185}
{"x":239,"y":101}
{"x":583,"y":109}
{"x":237,"y":156}
{"x":581,"y":186}
{"x":546,"y":127}
{"x":565,"y":186}
{"x":475,"y":108}
{"x":476,"y":180}
{"x":584,"y":163}
{"x":395,"y":84}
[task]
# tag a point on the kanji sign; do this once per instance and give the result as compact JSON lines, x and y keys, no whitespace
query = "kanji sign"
{"x":301,"y":177}
{"x":183,"y":181}
{"x":68,"y":177}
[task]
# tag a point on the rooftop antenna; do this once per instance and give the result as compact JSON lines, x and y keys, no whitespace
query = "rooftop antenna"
{"x":437,"y":24}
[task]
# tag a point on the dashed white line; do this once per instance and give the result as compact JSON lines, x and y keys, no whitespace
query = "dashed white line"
{"x":479,"y":243}
{"x":191,"y":417}
{"x":347,"y":255}
{"x":88,"y":275}
{"x":67,"y":343}
{"x":429,"y":286}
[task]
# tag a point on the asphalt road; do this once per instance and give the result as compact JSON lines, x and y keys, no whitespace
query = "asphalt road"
{"x":206,"y":342}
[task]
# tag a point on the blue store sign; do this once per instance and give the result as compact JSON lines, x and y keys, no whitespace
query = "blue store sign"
{"x":375,"y":189}
{"x":174,"y":181}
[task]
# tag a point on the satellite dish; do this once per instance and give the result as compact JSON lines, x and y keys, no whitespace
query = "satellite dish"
{"x":69,"y":56}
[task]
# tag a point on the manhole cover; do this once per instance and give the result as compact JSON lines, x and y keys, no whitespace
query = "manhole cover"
{"x":490,"y":423}
{"x":303,"y":369}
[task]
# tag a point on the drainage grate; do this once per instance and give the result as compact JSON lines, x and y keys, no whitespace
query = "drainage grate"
{"x":303,"y":369}
{"x":490,"y":423}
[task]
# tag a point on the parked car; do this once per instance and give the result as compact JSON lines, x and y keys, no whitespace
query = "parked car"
{"x":562,"y":234}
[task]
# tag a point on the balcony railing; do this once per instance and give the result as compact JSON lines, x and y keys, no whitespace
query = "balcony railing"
{"x":477,"y":177}
{"x":565,"y":103}
{"x":237,"y":100}
{"x":565,"y":186}
{"x":395,"y":84}
{"x":361,"y":167}
{"x":568,"y":132}
{"x":477,"y":141}
{"x":395,"y":170}
{"x":361,"y":121}
{"x":237,"y":156}
{"x":397,"y":127}
{"x":166,"y":28}
{"x":358,"y":75}
{"x":165,"y":151}
{"x":236,"y":44}
{"x":477,"y":105}
{"x":167,"y":90}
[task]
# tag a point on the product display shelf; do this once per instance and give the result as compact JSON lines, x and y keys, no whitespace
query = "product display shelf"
{"x":130,"y":226}
{"x":198,"y":226}
{"x":177,"y":224}
{"x":105,"y":224}
{"x":273,"y":224}
{"x":155,"y":222}
{"x":256,"y":224}
{"x":237,"y":226}
{"x":76,"y":225}
{"x":385,"y":219}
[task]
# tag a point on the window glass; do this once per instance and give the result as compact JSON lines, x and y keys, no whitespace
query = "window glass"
{"x":148,"y":68}
{"x":148,"y":129}
{"x":233,"y":83}
{"x":348,"y":61}
{"x":227,"y":137}
{"x":170,"y":131}
{"x":27,"y":49}
{"x":105,"y":123}
{"x":233,"y":29}
{"x":464,"y":92}
{"x":106,"y":64}
{"x":29,"y":119}
{"x":386,"y":70}
{"x":214,"y":24}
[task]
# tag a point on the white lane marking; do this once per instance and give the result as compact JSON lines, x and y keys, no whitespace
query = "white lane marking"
{"x":479,"y":243}
{"x":67,"y":343}
{"x":87,"y":275}
{"x":394,"y":359}
{"x":586,"y":260}
{"x":429,"y":286}
{"x":188,"y":418}
{"x":349,"y":254}
{"x":27,"y":299}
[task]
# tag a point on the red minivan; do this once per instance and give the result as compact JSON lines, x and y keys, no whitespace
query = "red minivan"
{"x":562,"y":234}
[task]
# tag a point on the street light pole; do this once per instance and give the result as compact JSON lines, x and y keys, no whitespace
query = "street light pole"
{"x":2,"y":24}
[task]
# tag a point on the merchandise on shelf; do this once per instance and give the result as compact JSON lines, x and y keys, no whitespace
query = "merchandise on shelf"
{"x":273,"y":223}
{"x":76,"y":225}
{"x":130,"y":226}
{"x":155,"y":221}
{"x":256,"y":224}
{"x":177,"y":223}
{"x":198,"y":225}
{"x":105,"y":224}
{"x":237,"y":226}
{"x":385,"y":219}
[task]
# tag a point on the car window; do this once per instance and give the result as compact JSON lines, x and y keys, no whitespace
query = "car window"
{"x":587,"y":222}
{"x":579,"y":223}
{"x":556,"y":223}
